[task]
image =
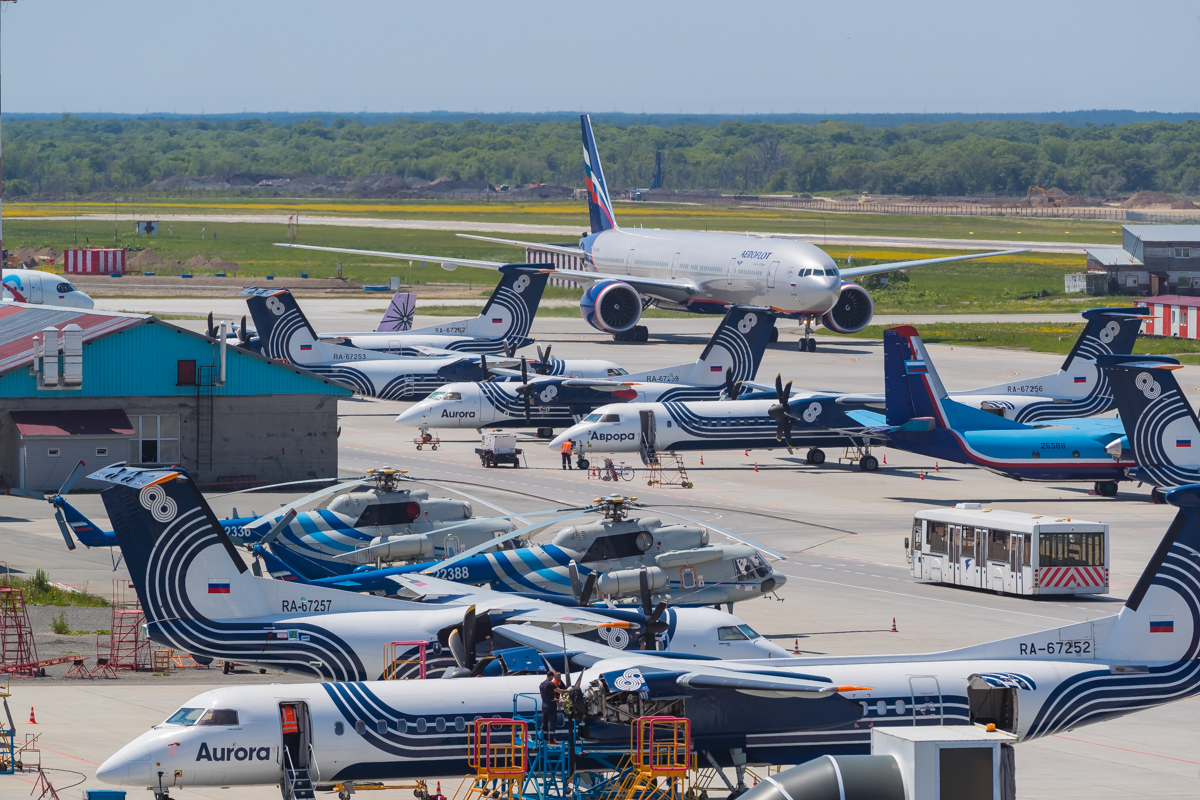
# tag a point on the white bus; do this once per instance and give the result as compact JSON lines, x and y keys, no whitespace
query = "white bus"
{"x":1008,"y":551}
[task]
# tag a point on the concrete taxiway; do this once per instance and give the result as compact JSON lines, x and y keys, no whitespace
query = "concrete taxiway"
{"x":842,"y":532}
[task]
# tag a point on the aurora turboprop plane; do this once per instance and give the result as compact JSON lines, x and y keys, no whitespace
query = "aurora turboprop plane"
{"x":626,"y":270}
{"x":775,"y":712}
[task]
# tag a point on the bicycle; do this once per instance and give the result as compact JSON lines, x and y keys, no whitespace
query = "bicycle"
{"x":611,"y":472}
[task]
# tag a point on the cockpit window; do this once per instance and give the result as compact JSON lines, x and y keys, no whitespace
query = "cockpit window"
{"x":452,"y":396}
{"x":219,"y":716}
{"x":751,"y":567}
{"x":438,"y":395}
{"x":611,"y":418}
{"x":750,"y":632}
{"x":618,"y":371}
{"x":592,"y":418}
{"x":185,"y":716}
{"x":63,"y":288}
{"x":731,"y":634}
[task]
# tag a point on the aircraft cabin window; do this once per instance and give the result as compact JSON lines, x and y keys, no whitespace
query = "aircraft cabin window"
{"x":731,"y":634}
{"x":621,"y":545}
{"x":611,"y":418}
{"x":388,"y":514}
{"x":592,"y":418}
{"x":219,"y":716}
{"x":185,"y":716}
{"x":453,"y":396}
{"x":63,"y":288}
{"x":750,"y":632}
{"x":338,"y":729}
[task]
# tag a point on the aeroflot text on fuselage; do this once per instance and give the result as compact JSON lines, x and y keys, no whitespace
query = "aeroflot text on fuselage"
{"x":756,"y":254}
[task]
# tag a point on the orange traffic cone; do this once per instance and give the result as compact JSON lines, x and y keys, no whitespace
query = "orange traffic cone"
{"x":796,"y":648}
{"x":885,"y":459}
{"x":32,"y":720}
{"x":746,"y":453}
{"x":756,"y":466}
{"x":936,"y":468}
{"x":894,"y":630}
{"x":922,"y":474}
{"x":702,"y":459}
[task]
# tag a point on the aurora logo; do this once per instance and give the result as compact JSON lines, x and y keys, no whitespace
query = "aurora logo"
{"x":233,"y":753}
{"x":457,"y":414}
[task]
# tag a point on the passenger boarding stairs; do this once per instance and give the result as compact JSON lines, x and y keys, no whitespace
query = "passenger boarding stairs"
{"x":297,"y":784}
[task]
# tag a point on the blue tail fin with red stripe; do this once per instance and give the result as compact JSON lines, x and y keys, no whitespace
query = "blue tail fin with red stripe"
{"x":599,"y":203}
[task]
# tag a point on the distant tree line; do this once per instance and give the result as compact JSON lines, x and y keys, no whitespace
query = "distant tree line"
{"x":87,"y":156}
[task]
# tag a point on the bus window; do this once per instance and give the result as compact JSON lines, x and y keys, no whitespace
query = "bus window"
{"x":1025,"y":556}
{"x":997,"y":549}
{"x":1071,"y":550}
{"x":968,"y":538}
{"x":937,"y":537}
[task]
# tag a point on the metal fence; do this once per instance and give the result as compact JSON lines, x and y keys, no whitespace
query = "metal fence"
{"x":1075,"y":212}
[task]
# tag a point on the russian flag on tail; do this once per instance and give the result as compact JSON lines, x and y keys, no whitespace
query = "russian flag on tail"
{"x":218,"y":587}
{"x":1183,"y":442}
{"x":1081,"y":380}
{"x":497,"y":320}
{"x":1162,"y":625}
{"x":714,"y":369}
{"x":306,"y":347}
{"x":915,"y":367}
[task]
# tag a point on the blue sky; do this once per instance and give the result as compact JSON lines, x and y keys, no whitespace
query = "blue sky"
{"x":220,"y":56}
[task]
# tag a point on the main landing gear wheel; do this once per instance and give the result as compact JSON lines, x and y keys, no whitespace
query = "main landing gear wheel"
{"x":868,"y":463}
{"x":1106,"y":488}
{"x":815,"y":456}
{"x":638,"y":333}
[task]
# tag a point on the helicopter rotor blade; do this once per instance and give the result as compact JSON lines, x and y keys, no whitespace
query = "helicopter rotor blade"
{"x":725,"y":533}
{"x":62,"y":526}
{"x":70,"y":481}
{"x":479,"y":548}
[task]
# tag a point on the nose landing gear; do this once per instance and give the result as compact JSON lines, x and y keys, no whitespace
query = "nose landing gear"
{"x":807,"y":343}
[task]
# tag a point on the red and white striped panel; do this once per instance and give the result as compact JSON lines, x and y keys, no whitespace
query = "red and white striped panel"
{"x":94,"y":261}
{"x":1067,"y":577}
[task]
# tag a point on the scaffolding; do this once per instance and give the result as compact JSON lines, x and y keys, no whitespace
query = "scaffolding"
{"x":499,"y":754}
{"x":8,"y":734}
{"x":397,"y":668}
{"x":17,"y":648}
{"x":127,"y":648}
{"x":667,"y":469}
{"x":660,"y":760}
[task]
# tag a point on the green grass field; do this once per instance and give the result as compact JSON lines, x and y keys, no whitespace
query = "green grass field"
{"x":1020,"y":283}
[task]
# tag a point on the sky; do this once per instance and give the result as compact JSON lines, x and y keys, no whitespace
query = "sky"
{"x":928,"y":56}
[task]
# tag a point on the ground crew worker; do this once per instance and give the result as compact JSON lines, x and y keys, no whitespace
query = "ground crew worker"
{"x":549,"y":689}
{"x":291,"y":732}
{"x":566,"y":453}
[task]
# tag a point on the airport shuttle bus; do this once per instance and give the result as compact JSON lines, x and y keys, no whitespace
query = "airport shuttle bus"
{"x":1008,"y":551}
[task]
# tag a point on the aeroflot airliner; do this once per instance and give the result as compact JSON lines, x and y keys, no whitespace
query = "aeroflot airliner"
{"x":628,"y":269}
{"x":777,"y":711}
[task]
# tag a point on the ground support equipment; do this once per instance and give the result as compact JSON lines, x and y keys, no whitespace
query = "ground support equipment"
{"x":667,"y":469}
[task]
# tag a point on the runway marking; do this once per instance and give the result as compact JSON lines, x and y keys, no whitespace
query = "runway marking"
{"x":1124,"y":749}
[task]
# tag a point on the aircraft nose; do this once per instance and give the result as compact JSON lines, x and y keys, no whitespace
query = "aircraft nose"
{"x":418,"y":412}
{"x":129,"y":766}
{"x":570,"y":433}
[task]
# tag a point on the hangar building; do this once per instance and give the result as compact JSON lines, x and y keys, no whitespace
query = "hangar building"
{"x":1152,"y":259}
{"x":105,"y":387}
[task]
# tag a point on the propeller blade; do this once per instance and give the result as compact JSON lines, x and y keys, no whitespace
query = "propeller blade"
{"x":589,"y":587}
{"x":510,"y":348}
{"x":653,"y":619}
{"x":644,"y":590}
{"x":573,"y":572}
{"x":479,"y":548}
{"x":546,"y":359}
{"x":787,"y":394}
{"x":70,"y":481}
{"x":456,"y":648}
{"x":62,"y":526}
{"x":212,"y":329}
{"x":483,"y":370}
{"x":243,"y":334}
{"x":779,"y":387}
{"x":278,"y":527}
{"x":469,"y":637}
{"x":725,"y":533}
{"x":524,"y":371}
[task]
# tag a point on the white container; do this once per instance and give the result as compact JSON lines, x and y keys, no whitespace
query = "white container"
{"x":949,"y":762}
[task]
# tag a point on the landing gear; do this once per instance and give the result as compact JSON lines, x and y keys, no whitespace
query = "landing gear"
{"x":1157,"y":497}
{"x":545,"y":433}
{"x":868,"y":463}
{"x":1107,"y":488}
{"x":774,"y":335}
{"x":638,"y":333}
{"x":815,"y":456}
{"x":807,"y":342}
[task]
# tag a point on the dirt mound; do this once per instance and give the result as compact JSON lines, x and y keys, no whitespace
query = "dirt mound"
{"x":35,"y":258}
{"x":1150,"y":199}
{"x":196,"y":262}
{"x":220,"y":265}
{"x":146,"y":258}
{"x":1184,"y":204}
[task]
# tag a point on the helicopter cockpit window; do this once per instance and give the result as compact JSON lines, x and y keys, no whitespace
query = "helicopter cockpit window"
{"x":731,"y":634}
{"x":750,"y":567}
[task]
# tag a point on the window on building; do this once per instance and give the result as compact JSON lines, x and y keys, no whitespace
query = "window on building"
{"x":52,"y":452}
{"x":1131,"y":281}
{"x":101,"y":451}
{"x":1183,"y":252}
{"x":156,"y":439}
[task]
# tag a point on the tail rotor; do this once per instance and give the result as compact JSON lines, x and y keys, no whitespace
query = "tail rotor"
{"x":57,"y":502}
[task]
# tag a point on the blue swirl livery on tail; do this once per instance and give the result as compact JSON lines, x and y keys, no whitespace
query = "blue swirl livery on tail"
{"x":508,"y":314}
{"x":1162,"y":433}
{"x":738,"y":345}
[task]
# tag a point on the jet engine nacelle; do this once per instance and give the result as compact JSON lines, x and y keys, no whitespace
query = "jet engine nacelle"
{"x":622,"y":582}
{"x":611,"y":306}
{"x":395,"y":548}
{"x":852,"y":312}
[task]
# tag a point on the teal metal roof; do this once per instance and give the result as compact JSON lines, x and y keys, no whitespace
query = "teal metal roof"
{"x":140,"y":360}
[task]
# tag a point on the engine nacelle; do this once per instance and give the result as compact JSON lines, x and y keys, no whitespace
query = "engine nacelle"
{"x":611,"y":306}
{"x":395,"y":548}
{"x":622,"y":582}
{"x":852,"y":312}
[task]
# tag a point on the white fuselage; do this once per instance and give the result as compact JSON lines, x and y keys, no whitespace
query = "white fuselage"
{"x":42,"y":288}
{"x":795,"y":277}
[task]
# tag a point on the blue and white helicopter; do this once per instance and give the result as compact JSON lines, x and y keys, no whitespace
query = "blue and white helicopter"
{"x":921,"y":418}
{"x":777,"y":711}
{"x":732,"y":356}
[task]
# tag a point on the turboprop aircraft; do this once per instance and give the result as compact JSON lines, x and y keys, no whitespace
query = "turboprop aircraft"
{"x":774,"y":712}
{"x":920,"y":418}
{"x":732,"y":357}
{"x":42,"y":288}
{"x":806,"y":419}
{"x":625,"y":557}
{"x":1078,"y":389}
{"x":199,"y":597}
{"x":625,"y":270}
{"x":287,"y":335}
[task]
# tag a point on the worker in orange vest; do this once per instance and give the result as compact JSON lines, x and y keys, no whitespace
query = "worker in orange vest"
{"x":566,"y":453}
{"x":291,"y":732}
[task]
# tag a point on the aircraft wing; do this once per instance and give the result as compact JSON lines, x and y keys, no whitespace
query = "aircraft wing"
{"x":698,"y":674}
{"x":666,"y":289}
{"x":553,"y":248}
{"x":875,"y":400}
{"x":854,"y":272}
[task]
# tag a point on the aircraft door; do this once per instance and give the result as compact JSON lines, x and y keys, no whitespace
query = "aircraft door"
{"x":649,"y":435}
{"x":452,"y":546}
{"x":629,"y":263}
{"x":297,"y":734}
{"x":771,"y":270}
{"x":674,"y":265}
{"x":926,"y":698}
{"x":35,"y":289}
{"x":729,"y":273}
{"x":394,"y":346}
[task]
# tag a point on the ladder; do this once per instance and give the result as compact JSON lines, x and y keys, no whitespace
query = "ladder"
{"x":205,"y":376}
{"x":16,"y":633}
{"x":297,"y":783}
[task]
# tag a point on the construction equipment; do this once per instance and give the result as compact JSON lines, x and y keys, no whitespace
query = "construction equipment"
{"x":667,"y":469}
{"x":1050,"y":199}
